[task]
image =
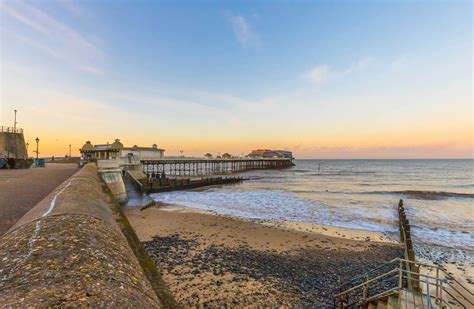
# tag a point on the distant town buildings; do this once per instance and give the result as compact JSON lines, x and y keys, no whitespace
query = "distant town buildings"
{"x":116,"y":151}
{"x":268,"y":153}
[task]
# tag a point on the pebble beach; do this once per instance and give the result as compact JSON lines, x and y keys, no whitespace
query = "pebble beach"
{"x":211,"y":260}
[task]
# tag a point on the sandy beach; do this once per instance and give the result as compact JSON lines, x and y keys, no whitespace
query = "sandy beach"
{"x":210,"y":259}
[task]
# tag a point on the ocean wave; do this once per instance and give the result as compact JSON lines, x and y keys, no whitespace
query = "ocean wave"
{"x":425,"y":195}
{"x":379,"y":184}
{"x":470,"y":185}
{"x":416,"y":194}
{"x":300,"y":171}
{"x":342,"y":173}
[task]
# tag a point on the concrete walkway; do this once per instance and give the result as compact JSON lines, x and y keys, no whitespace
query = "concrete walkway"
{"x":69,"y":251}
{"x":22,"y":189}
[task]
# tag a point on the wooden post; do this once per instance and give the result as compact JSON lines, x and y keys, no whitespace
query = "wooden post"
{"x":365,"y":292}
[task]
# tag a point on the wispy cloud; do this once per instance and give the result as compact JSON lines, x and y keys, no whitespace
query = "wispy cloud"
{"x":359,"y":65}
{"x":244,"y":33}
{"x":318,"y":74}
{"x":166,"y":102}
{"x":73,"y":7}
{"x":323,"y":72}
{"x":35,"y":44}
{"x":226,"y":101}
{"x":90,"y":69}
{"x":52,"y":36}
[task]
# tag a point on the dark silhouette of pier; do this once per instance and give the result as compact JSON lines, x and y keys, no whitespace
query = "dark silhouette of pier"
{"x":201,"y":167}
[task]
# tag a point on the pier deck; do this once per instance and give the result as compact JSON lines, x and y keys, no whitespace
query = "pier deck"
{"x":197,"y":166}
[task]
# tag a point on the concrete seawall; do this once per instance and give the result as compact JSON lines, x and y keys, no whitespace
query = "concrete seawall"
{"x":70,"y":251}
{"x":13,"y":144}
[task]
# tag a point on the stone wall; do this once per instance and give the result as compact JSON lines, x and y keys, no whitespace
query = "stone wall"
{"x":12,"y":144}
{"x":70,"y":251}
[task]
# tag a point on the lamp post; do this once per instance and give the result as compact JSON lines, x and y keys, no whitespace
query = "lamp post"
{"x":14,"y":123}
{"x":14,"y":131}
{"x":69,"y":151}
{"x":27,"y":144}
{"x":37,"y":143}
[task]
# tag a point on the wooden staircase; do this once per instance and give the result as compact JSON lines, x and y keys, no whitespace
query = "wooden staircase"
{"x":394,"y":285}
{"x":390,"y":302}
{"x":404,"y":299}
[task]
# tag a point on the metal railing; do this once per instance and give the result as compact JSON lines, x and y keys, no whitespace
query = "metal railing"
{"x":4,"y":129}
{"x":440,"y":287}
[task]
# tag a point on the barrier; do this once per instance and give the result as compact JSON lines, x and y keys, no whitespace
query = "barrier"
{"x":69,"y":251}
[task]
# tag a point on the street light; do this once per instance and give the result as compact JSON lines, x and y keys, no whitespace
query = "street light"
{"x":14,"y":131}
{"x":69,"y":151}
{"x":14,"y":123}
{"x":37,"y":153}
{"x":27,"y":144}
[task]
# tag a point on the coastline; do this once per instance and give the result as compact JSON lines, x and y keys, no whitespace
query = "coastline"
{"x":208,"y":258}
{"x":296,"y":226}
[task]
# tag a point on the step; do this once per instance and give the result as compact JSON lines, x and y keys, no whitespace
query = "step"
{"x":392,"y":302}
{"x":372,"y":306}
{"x":381,"y":305}
{"x":414,"y":300}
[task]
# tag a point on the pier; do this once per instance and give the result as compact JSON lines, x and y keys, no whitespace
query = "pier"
{"x":201,"y":167}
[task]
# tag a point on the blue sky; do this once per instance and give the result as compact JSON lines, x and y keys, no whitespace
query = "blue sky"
{"x":323,"y":78}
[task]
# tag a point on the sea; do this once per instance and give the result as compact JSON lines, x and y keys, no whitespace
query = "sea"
{"x":360,"y":194}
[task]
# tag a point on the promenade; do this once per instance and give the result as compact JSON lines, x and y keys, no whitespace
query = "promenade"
{"x":73,"y":249}
{"x":22,"y":189}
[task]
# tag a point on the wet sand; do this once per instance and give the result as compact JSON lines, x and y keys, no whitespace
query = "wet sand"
{"x":21,"y":189}
{"x":210,"y":259}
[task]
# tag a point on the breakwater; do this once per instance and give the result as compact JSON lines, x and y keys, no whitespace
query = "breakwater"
{"x":409,"y":252}
{"x":76,"y":249}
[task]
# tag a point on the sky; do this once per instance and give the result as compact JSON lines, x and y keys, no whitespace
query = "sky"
{"x":325,"y":79}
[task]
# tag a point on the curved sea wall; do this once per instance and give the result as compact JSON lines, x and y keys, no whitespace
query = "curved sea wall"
{"x":70,"y":251}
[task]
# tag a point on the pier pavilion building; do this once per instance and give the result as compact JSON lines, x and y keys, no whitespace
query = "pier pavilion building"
{"x":268,"y":153}
{"x":117,"y":151}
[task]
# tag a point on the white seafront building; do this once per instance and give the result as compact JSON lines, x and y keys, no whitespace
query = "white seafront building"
{"x":268,"y":153}
{"x":117,"y":151}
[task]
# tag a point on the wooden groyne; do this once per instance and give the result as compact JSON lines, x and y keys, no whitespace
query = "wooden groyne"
{"x":405,"y":238}
{"x":76,"y":249}
{"x":196,"y":167}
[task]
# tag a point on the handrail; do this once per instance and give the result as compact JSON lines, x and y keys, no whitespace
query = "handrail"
{"x":386,"y":293}
{"x":370,"y":271}
{"x":443,"y":288}
{"x":7,"y":129}
{"x":444,"y":280}
{"x":421,"y":275}
{"x":367,"y":282}
{"x":454,"y":279}
{"x":441,"y":283}
{"x":450,"y":277}
{"x":454,"y":298}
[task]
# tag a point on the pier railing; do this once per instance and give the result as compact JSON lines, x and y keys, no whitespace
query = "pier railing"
{"x":4,"y":129}
{"x":436,"y":286}
{"x":203,"y":167}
